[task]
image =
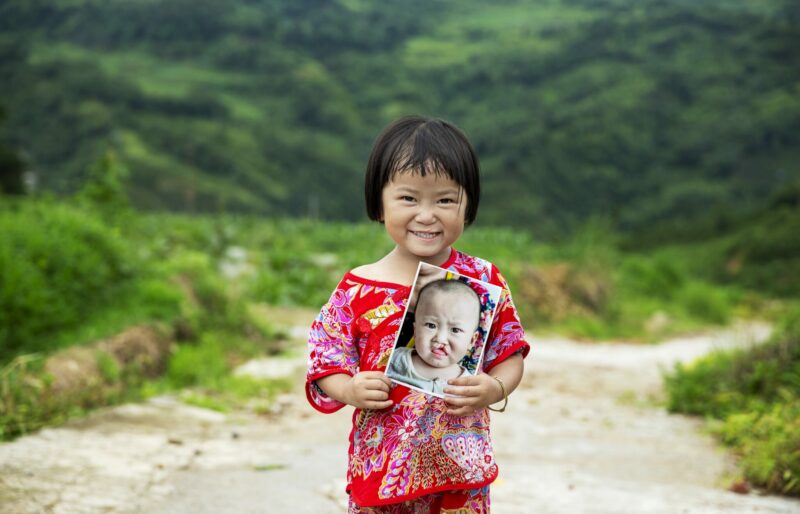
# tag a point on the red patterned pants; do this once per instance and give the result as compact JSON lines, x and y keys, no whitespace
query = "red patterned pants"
{"x":473,"y":501}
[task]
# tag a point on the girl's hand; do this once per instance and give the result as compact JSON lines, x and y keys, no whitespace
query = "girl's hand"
{"x":473,"y":393}
{"x":368,"y":390}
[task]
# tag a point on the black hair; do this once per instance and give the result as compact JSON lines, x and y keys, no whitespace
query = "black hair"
{"x":422,"y":145}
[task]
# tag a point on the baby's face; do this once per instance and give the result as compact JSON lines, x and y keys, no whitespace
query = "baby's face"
{"x":444,"y":323}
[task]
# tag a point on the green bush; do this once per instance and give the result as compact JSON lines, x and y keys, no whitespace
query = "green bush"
{"x":768,"y":441}
{"x":59,"y":264}
{"x":725,"y":382}
{"x":104,"y":191}
{"x":765,"y":249}
{"x":705,"y":302}
{"x":656,"y":277}
{"x":159,"y":299}
{"x":756,"y":394}
{"x":203,"y":363}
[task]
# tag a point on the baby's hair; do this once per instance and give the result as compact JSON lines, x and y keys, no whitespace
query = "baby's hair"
{"x":422,"y":145}
{"x":449,"y":286}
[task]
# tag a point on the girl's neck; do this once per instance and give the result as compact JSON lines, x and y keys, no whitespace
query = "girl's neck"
{"x":403,"y":260}
{"x":426,"y":370}
{"x":397,"y":267}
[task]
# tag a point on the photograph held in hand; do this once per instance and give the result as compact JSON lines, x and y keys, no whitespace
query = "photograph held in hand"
{"x":444,"y":330}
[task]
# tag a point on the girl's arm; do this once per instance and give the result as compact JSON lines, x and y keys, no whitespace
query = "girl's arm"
{"x":364,"y":390}
{"x":481,"y":390}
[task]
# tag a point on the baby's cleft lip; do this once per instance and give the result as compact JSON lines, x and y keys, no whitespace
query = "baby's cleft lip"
{"x":440,"y":351}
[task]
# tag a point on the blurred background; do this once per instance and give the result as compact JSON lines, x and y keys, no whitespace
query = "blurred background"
{"x":173,"y":170}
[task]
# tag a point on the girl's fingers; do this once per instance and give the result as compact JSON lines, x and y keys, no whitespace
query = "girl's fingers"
{"x":463,"y":391}
{"x":459,"y":402}
{"x":374,"y":380}
{"x":375,"y":394}
{"x":383,"y":385}
{"x":376,"y":384}
{"x":380,"y":375}
{"x":464,"y":381}
{"x":376,"y":405}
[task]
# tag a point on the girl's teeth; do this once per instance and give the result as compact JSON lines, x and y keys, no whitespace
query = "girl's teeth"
{"x":425,"y":235}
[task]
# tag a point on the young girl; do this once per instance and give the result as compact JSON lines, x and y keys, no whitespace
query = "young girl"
{"x":411,"y":452}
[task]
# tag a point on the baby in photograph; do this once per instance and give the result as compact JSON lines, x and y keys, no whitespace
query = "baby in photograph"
{"x":445,"y":321}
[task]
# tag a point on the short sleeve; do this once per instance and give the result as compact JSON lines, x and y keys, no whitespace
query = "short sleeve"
{"x":332,"y":347}
{"x":506,"y":337}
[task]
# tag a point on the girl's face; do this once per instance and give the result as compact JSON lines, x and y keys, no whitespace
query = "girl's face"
{"x":424,"y":215}
{"x":444,"y":323}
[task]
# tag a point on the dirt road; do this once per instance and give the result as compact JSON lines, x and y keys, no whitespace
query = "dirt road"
{"x":584,"y":434}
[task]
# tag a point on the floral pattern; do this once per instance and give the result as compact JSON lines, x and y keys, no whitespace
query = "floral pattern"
{"x":472,"y":501}
{"x":414,"y":448}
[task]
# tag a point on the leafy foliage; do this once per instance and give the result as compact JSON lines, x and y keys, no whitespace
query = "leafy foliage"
{"x":59,"y":264}
{"x":756,"y":393}
{"x":764,"y":252}
{"x":723,"y":383}
{"x":11,"y":168}
{"x":661,"y":115}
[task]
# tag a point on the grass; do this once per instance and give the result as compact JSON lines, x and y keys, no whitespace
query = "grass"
{"x":752,"y":399}
{"x":293,"y":264}
{"x":609,"y":294}
{"x":154,"y":76}
{"x":238,"y":393}
{"x":172,"y":286}
{"x":148,"y":159}
{"x":145,"y":302}
{"x":532,"y":17}
{"x":201,"y":372}
{"x":28,"y":401}
{"x":270,"y":467}
{"x":462,"y":38}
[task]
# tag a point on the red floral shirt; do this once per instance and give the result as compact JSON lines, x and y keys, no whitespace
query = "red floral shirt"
{"x":413,"y":448}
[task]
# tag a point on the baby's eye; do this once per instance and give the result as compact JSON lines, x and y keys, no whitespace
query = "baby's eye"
{"x":456,"y":330}
{"x":430,"y":325}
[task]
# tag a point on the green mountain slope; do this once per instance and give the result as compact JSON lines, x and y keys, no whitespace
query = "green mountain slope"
{"x":644,"y":112}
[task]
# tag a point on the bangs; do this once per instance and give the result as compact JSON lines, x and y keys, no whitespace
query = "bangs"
{"x":422,"y":146}
{"x":428,"y":151}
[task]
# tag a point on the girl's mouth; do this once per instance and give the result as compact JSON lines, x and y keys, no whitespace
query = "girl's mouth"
{"x":426,"y":235}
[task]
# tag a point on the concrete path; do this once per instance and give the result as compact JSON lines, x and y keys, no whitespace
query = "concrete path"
{"x":584,"y":434}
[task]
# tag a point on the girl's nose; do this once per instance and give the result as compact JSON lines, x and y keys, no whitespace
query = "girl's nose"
{"x":425,"y":215}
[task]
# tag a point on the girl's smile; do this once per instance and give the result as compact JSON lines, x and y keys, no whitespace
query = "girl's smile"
{"x":426,"y":235}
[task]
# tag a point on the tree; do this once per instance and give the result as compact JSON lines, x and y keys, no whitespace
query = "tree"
{"x":11,"y":168}
{"x":105,"y":189}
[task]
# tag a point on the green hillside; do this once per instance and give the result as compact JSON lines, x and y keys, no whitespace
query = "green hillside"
{"x":652,"y":114}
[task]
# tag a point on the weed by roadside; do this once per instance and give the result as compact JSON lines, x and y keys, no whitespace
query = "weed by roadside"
{"x":752,"y":401}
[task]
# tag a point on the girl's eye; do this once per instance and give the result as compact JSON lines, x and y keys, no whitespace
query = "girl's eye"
{"x":447,"y":201}
{"x":407,"y":198}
